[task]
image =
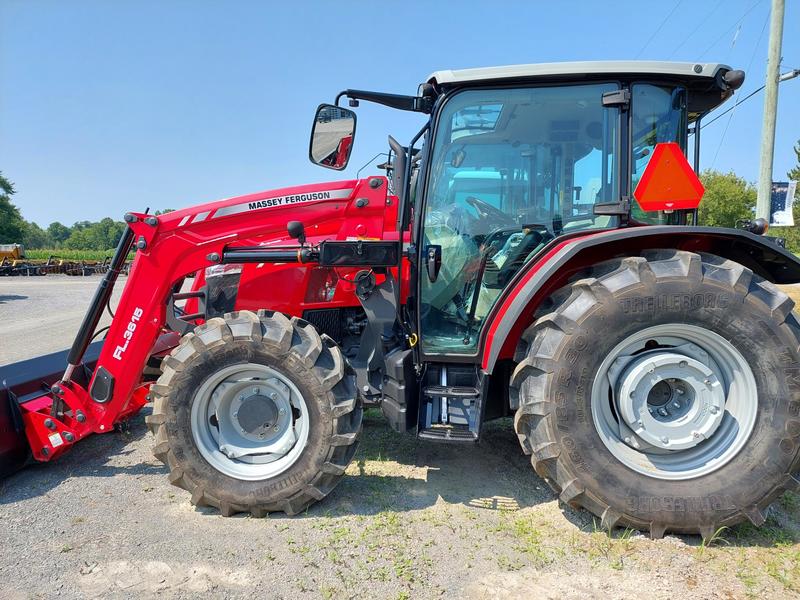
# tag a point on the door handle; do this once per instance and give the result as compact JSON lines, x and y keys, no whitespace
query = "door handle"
{"x":433,"y":261}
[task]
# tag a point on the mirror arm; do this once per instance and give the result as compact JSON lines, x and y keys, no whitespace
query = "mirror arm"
{"x":421,"y":104}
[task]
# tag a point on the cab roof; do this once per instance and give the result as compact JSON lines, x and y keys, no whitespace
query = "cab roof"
{"x":561,"y":70}
{"x":705,"y":81}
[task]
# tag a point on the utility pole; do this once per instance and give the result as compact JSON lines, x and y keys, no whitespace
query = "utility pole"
{"x":770,"y":109}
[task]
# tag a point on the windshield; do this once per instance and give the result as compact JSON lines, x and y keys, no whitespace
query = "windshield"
{"x":511,"y":169}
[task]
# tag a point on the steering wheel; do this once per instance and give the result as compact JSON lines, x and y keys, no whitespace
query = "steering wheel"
{"x":536,"y":236}
{"x":490,"y":214}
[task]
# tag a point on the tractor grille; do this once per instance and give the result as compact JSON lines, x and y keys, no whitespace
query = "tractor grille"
{"x":327,"y":320}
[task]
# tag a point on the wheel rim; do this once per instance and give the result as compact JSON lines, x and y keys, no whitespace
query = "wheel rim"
{"x":249,"y":421}
{"x":674,"y":401}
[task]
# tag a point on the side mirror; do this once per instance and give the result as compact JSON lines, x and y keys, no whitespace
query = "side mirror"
{"x":332,"y":136}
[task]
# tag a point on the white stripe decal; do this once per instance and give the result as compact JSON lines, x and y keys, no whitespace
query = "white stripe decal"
{"x":201,"y":216}
{"x":283,"y":201}
{"x":184,"y":220}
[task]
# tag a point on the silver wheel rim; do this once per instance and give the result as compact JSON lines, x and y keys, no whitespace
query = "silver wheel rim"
{"x":674,"y":401}
{"x":249,"y":422}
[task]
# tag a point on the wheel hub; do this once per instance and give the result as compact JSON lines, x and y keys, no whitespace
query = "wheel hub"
{"x":249,"y":421}
{"x":674,"y":401}
{"x":254,"y":417}
{"x":255,"y":414}
{"x":670,"y":400}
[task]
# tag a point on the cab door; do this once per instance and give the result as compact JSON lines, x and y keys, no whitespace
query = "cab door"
{"x":510,"y":170}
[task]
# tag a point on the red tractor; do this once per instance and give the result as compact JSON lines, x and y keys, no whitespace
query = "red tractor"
{"x":537,"y":256}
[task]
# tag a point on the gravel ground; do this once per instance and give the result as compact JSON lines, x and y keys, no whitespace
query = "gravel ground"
{"x":39,"y":315}
{"x":409,"y":520}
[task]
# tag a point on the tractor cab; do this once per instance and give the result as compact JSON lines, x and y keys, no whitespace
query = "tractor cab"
{"x":513,"y":159}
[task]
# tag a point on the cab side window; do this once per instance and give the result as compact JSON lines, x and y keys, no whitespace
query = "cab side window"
{"x":657,"y":115}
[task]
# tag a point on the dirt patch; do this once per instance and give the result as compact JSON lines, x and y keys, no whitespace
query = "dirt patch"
{"x":410,"y":520}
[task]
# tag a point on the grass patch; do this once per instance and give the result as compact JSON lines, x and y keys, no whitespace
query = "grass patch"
{"x":45,"y":253}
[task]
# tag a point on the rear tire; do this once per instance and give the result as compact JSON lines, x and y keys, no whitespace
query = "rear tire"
{"x":324,"y":411}
{"x":563,"y":387}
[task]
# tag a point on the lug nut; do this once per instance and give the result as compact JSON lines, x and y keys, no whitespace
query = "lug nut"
{"x":679,"y":391}
{"x":49,"y":424}
{"x":282,"y":411}
{"x":275,"y":428}
{"x":274,"y":396}
{"x":69,"y":437}
{"x":45,"y":451}
{"x":255,"y":390}
{"x":676,"y":405}
{"x":81,"y":418}
{"x":663,"y":412}
{"x":695,"y":434}
{"x":714,"y":410}
{"x":665,"y":440}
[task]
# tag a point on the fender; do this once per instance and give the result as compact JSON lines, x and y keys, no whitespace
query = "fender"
{"x":562,"y":258}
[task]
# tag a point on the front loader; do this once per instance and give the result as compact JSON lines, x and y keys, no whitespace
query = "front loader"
{"x":532,"y":252}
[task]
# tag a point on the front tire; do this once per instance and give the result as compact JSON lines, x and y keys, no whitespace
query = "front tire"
{"x":255,"y":413}
{"x":662,"y":393}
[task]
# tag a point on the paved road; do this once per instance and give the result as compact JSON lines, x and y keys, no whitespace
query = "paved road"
{"x":39,"y":315}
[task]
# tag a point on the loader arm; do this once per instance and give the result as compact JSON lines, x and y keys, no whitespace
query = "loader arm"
{"x":168,"y":248}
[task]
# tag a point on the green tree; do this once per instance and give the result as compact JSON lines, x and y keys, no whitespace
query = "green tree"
{"x":727,"y":199}
{"x":36,"y":237}
{"x":12,"y":225}
{"x":78,"y":225}
{"x":103,"y":235}
{"x":58,"y":232}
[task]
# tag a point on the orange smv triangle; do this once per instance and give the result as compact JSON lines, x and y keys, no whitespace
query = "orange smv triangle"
{"x":668,"y":181}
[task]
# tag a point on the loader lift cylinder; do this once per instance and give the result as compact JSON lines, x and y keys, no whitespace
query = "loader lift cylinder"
{"x":101,"y":297}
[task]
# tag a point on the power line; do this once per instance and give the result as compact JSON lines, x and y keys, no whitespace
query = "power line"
{"x":726,"y":111}
{"x":660,"y":26}
{"x":733,"y":108}
{"x":697,"y":28}
{"x":785,"y":77}
{"x":738,"y":23}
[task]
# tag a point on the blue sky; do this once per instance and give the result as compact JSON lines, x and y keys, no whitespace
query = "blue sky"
{"x":113,"y":106}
